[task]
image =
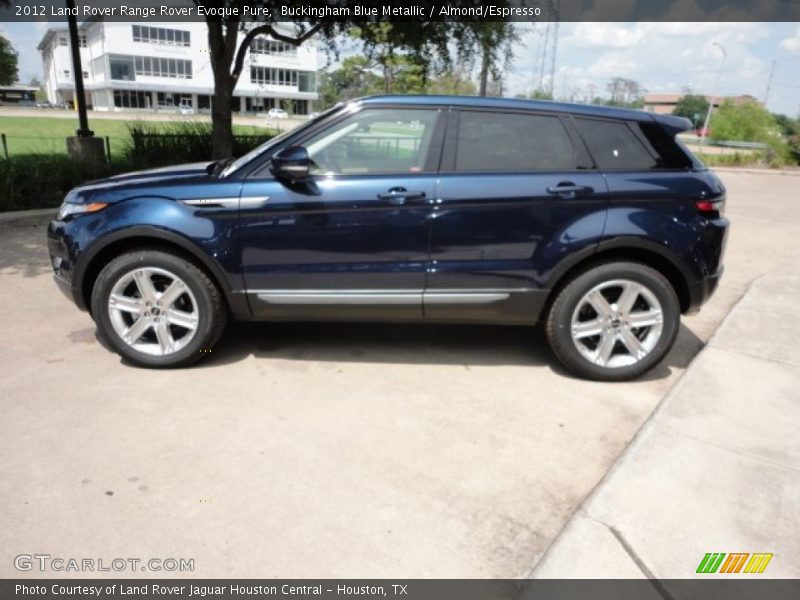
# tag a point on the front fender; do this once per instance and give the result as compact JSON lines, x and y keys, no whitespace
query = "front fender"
{"x":210,"y":235}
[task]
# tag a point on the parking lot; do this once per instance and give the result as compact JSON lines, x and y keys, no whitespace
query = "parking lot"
{"x":322,"y":450}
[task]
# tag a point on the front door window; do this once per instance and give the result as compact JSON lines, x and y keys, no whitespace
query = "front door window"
{"x":374,"y":141}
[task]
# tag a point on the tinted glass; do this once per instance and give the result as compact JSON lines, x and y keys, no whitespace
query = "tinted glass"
{"x":374,"y":141}
{"x":489,"y":141}
{"x":614,"y":146}
{"x":670,"y":154}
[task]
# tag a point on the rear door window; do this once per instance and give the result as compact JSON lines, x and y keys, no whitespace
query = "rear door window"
{"x":501,"y":142}
{"x":614,"y":146}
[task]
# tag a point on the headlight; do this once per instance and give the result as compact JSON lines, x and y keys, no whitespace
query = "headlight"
{"x":67,"y":209}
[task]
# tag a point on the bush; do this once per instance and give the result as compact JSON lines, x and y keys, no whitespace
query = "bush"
{"x":794,"y":148}
{"x":737,"y":159}
{"x":750,"y":122}
{"x":29,"y":181}
{"x":182,"y":142}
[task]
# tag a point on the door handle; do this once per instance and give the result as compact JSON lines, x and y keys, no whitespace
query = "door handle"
{"x":399,"y":196}
{"x":567,"y":189}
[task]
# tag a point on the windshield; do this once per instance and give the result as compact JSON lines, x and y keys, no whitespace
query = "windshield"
{"x":256,"y":152}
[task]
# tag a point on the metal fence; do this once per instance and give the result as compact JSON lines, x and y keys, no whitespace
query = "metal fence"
{"x":177,"y":146}
{"x":18,"y":144}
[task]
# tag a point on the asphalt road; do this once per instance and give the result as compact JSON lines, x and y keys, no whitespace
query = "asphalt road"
{"x":321,"y":450}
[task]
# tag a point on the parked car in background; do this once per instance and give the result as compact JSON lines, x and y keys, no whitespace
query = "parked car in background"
{"x":26,"y":104}
{"x":44,"y":104}
{"x":277,"y":113}
{"x":313,"y":115}
{"x":591,"y":220}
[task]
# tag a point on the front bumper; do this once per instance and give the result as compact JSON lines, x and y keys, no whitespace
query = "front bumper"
{"x":62,"y":260}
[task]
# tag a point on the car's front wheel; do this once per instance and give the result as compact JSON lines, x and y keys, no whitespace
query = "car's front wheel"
{"x":614,"y":322}
{"x":157,"y":309}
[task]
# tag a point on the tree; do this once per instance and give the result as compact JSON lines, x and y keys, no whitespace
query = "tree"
{"x":537,"y":95}
{"x":744,"y":121}
{"x":8,"y":63}
{"x":228,"y":59}
{"x":749,"y":122}
{"x":425,"y":43}
{"x":788,"y":126}
{"x":495,"y":41}
{"x":355,"y":77}
{"x":454,"y":82}
{"x":625,"y":92}
{"x":402,"y":72}
{"x":693,"y":107}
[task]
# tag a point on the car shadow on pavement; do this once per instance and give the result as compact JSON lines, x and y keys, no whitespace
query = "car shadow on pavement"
{"x":466,"y":345}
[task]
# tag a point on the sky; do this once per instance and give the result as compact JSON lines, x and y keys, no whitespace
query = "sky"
{"x":662,"y":57}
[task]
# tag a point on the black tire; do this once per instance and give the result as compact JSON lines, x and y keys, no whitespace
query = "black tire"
{"x":559,"y":319}
{"x":211,"y":309}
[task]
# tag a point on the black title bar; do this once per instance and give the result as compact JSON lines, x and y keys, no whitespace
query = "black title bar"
{"x":410,"y":10}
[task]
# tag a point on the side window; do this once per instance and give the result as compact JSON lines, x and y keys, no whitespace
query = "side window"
{"x":669,"y":152}
{"x":374,"y":141}
{"x":614,"y":146}
{"x":489,"y":141}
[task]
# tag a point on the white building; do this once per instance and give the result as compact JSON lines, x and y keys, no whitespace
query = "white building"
{"x":166,"y":66}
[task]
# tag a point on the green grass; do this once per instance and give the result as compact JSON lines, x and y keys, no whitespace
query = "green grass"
{"x":737,"y":159}
{"x":44,"y":135}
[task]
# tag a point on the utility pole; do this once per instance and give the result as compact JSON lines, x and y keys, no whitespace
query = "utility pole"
{"x":769,"y":82}
{"x":547,"y":65}
{"x":704,"y":137}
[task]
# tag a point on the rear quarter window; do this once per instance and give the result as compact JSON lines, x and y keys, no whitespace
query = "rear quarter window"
{"x":632,"y":146}
{"x":669,"y":152}
{"x":614,"y":146}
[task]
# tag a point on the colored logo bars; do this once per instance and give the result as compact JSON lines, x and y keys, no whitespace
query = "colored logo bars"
{"x":716,"y":562}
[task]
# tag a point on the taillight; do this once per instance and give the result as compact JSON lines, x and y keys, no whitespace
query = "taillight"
{"x":711,"y":209}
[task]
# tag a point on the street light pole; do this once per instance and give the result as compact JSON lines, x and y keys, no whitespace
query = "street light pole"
{"x":704,"y":137}
{"x":77,"y":70}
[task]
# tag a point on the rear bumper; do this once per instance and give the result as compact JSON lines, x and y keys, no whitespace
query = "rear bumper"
{"x":705,"y":260}
{"x":701,"y":291}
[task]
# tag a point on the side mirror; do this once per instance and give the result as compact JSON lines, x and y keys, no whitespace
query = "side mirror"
{"x":291,"y":163}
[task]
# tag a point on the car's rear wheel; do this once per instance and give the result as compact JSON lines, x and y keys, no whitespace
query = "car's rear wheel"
{"x":157,"y":309}
{"x":614,"y":322}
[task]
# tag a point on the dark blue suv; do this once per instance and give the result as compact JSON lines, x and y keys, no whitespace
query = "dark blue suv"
{"x":595,"y":221}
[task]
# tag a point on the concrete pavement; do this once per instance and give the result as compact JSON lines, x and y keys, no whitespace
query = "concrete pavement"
{"x":717,"y":466}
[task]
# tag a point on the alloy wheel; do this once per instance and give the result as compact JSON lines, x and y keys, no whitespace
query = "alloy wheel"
{"x":153,"y":311}
{"x":617,"y":323}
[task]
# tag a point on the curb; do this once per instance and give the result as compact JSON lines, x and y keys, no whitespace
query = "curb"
{"x":637,"y":437}
{"x":27,"y":217}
